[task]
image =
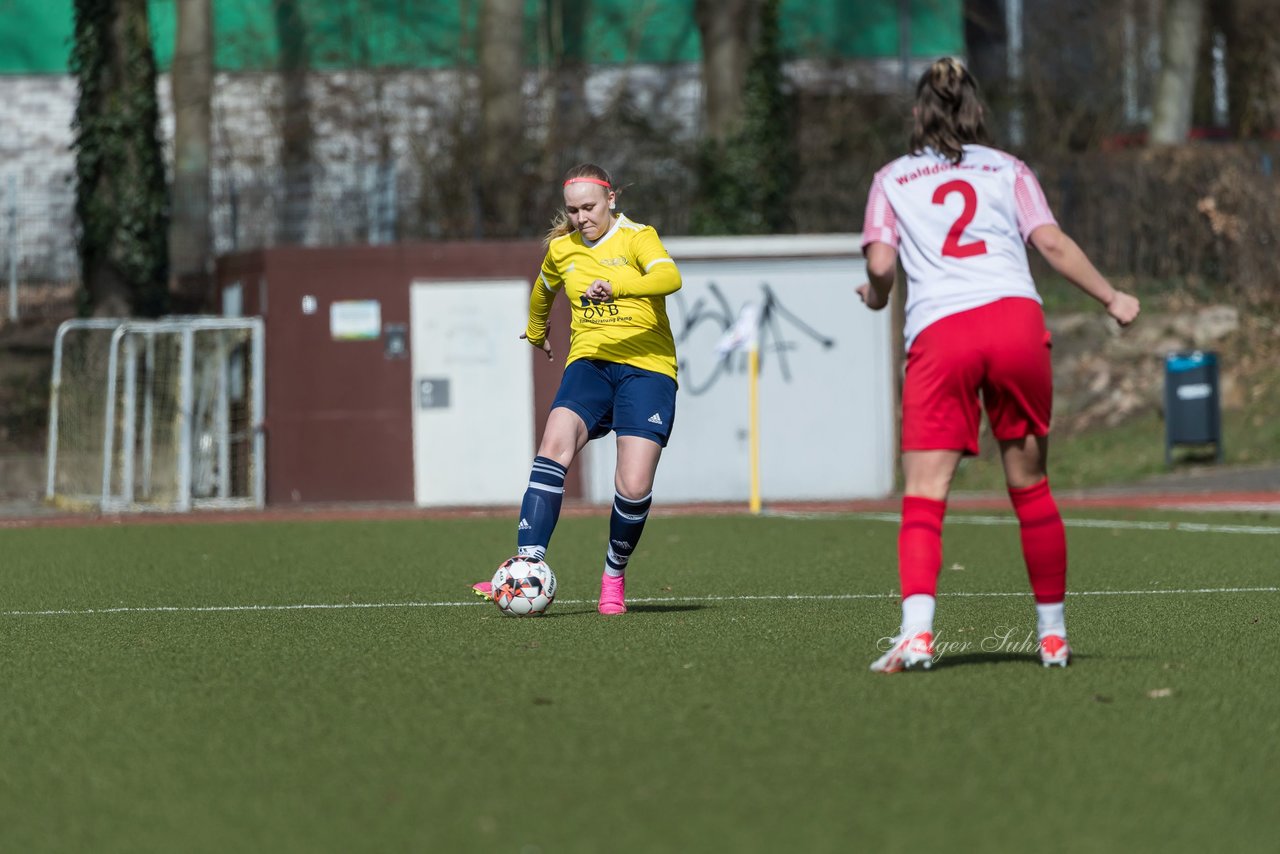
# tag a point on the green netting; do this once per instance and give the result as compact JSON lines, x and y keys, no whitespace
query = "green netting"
{"x":338,"y":34}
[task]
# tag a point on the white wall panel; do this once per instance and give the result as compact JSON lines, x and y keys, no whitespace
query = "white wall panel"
{"x":473,"y":425}
{"x":826,"y":387}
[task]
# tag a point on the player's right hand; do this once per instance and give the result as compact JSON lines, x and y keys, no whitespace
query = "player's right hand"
{"x":1124,"y":308}
{"x":601,"y":290}
{"x":871,"y":297}
{"x":546,"y":343}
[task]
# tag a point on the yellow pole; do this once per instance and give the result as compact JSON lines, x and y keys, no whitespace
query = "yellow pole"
{"x":753,"y":380}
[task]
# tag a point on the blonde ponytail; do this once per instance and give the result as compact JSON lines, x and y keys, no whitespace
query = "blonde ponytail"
{"x":560,"y":226}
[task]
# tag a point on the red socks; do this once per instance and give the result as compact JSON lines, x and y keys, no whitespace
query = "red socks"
{"x":920,"y":545}
{"x":1044,"y":541}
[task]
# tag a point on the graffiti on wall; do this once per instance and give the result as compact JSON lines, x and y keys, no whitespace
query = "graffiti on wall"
{"x":782,"y":332}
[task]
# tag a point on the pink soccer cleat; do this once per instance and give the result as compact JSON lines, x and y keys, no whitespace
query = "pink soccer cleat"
{"x":613,"y":594}
{"x":484,"y":589}
{"x":905,"y":653}
{"x":1054,"y":651}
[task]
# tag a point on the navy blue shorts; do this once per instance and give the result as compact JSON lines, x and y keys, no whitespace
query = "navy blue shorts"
{"x":629,"y":401}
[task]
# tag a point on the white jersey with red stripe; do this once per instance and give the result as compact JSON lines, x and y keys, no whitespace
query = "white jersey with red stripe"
{"x":960,"y":229}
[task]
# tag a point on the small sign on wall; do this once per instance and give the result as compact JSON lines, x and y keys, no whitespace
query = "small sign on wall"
{"x":355,"y":320}
{"x":433,"y":393}
{"x":395,"y":341}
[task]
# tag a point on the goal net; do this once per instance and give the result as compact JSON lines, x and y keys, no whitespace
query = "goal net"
{"x":157,"y":414}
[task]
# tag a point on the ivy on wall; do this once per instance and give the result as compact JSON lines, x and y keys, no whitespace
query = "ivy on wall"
{"x":120,"y":179}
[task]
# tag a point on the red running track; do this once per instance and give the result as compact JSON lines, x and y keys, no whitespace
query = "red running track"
{"x":1266,"y":502}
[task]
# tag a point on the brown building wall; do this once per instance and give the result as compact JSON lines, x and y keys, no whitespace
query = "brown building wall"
{"x":339,"y":416}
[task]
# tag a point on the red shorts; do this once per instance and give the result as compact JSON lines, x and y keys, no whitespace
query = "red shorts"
{"x":999,"y":350}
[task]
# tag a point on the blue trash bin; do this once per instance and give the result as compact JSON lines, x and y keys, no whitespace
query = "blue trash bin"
{"x":1192,"y":407}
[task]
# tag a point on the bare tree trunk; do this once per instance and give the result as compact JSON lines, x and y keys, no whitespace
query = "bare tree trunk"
{"x":727,"y":28}
{"x":501,"y":57}
{"x":1252,"y":28}
{"x":568,"y":19}
{"x":189,"y":240}
{"x":1175,"y":90}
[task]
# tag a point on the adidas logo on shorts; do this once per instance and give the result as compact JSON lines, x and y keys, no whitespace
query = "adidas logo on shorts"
{"x":655,"y":418}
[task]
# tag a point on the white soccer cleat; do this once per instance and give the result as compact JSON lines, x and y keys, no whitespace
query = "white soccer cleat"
{"x":1054,"y":651}
{"x":906,"y":653}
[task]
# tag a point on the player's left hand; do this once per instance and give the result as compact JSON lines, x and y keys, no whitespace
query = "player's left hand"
{"x":601,"y":290}
{"x":1124,"y":308}
{"x":872,"y":298}
{"x":546,"y":343}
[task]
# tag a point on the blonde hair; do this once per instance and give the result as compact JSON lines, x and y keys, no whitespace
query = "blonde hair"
{"x":948,"y":110}
{"x":560,"y":225}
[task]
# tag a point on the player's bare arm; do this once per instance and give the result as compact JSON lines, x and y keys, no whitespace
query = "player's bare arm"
{"x":1068,"y":259}
{"x":882,"y":269}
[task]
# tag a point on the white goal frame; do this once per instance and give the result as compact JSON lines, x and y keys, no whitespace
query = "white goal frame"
{"x":201,"y":463}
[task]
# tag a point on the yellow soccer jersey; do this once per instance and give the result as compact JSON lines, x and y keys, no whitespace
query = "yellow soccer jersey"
{"x":630,"y":329}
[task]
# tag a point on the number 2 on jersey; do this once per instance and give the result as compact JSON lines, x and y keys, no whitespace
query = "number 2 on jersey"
{"x":952,"y":247}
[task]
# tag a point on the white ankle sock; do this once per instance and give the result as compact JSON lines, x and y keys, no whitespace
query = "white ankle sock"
{"x":1051,"y":619}
{"x":917,"y":614}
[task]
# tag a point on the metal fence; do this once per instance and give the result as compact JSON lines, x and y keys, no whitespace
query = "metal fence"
{"x":38,"y":232}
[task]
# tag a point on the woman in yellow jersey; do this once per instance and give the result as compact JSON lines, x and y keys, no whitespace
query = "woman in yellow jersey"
{"x":620,"y":374}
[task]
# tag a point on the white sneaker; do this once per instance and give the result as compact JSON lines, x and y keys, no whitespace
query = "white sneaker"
{"x":1054,"y":651}
{"x":906,"y":653}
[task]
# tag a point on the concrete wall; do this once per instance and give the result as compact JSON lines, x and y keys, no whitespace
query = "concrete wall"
{"x":827,"y":399}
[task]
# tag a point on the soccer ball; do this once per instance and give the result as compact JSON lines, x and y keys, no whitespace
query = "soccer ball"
{"x":523,"y":587}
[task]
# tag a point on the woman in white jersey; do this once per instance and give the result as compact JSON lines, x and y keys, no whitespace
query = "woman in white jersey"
{"x":959,"y":214}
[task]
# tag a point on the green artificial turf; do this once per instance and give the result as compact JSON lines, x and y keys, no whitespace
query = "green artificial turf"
{"x":1129,"y":452}
{"x":695,"y":723}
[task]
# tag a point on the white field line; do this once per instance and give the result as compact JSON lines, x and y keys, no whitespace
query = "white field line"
{"x":1115,"y":524}
{"x":785,"y":597}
